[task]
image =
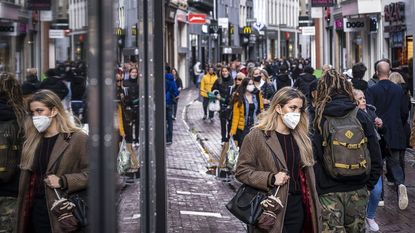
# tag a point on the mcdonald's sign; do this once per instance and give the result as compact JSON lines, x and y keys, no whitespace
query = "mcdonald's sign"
{"x":232,"y":29}
{"x":246,"y":30}
{"x":119,"y":31}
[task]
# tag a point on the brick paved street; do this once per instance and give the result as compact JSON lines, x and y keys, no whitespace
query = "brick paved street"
{"x":191,"y":189}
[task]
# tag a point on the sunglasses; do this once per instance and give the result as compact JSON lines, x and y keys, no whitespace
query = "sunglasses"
{"x":238,"y":79}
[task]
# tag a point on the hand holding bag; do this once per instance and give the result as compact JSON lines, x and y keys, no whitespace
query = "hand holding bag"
{"x":123,"y":160}
{"x":272,"y":205}
{"x":63,"y":209}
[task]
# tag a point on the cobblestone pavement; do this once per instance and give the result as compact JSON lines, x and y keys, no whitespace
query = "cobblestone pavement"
{"x":196,"y":200}
{"x":191,"y":189}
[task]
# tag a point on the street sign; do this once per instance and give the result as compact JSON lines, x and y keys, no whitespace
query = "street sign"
{"x":251,"y":20}
{"x":56,"y":34}
{"x":259,"y":26}
{"x":196,"y":18}
{"x":308,"y":31}
{"x":223,"y":22}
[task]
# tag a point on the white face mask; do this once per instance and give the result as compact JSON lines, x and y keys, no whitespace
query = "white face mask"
{"x":41,"y":123}
{"x":291,"y":119}
{"x":250,"y":87}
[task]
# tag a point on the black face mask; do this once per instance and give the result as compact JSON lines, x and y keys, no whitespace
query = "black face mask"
{"x":257,"y":78}
{"x":226,"y":77}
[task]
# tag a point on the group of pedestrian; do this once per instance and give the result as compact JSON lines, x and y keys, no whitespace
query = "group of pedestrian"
{"x":43,"y":153}
{"x":323,"y":141}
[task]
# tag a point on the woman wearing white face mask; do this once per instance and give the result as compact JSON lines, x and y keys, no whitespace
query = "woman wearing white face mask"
{"x":246,"y":106}
{"x":278,"y":152}
{"x":53,"y":157}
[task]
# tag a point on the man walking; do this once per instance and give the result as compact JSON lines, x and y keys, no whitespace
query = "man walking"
{"x":388,"y":97}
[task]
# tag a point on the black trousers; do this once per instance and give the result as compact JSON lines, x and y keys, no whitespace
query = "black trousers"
{"x":224,"y":125}
{"x":294,"y":215}
{"x":39,"y":218}
{"x":205,"y":108}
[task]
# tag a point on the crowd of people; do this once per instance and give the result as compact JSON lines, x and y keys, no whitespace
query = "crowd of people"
{"x":324,"y":141}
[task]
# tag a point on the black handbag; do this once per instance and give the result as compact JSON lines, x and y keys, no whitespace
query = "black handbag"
{"x":246,"y":204}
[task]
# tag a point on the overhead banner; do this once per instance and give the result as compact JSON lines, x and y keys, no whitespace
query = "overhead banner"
{"x":355,"y":24}
{"x":39,"y":5}
{"x":322,"y":3}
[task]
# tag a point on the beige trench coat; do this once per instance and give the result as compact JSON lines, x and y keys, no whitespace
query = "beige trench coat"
{"x":73,"y":165}
{"x":256,"y":163}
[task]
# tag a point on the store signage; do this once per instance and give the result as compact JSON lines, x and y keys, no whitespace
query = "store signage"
{"x":259,"y":26}
{"x":322,"y":3}
{"x":223,"y":22}
{"x":46,"y":16}
{"x":8,"y":29}
{"x":355,"y":25}
{"x":227,"y":50}
{"x":395,"y":12}
{"x":196,"y":18}
{"x":305,"y":21}
{"x":338,"y":24}
{"x":246,"y":30}
{"x":39,"y":5}
{"x":308,"y":31}
{"x":56,"y":33}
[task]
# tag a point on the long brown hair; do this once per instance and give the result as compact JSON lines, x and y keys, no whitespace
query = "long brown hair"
{"x":330,"y":84}
{"x":11,"y":91}
{"x":268,"y":121}
{"x":33,"y":137}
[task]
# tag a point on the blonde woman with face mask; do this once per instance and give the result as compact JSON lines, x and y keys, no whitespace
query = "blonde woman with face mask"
{"x":278,"y":152}
{"x":54,"y":156}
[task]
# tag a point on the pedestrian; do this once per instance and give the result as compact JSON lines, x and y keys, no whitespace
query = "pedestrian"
{"x":278,"y":152}
{"x":358,"y":72}
{"x":267,"y":89}
{"x":246,"y":107}
{"x":132,"y":101}
{"x":343,"y":192}
{"x":391,"y":104}
{"x":171,"y":94}
{"x":54,"y":157}
{"x":224,"y":85}
{"x":197,"y":71}
{"x":375,"y":194}
{"x":205,"y":88}
{"x":12,"y":115}
{"x":304,"y":80}
{"x":283,"y":79}
{"x":179,"y":85}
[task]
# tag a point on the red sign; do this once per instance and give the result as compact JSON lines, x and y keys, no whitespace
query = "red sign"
{"x":196,"y":18}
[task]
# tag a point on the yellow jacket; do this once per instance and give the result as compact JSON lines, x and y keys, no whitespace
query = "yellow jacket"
{"x":238,"y":115}
{"x":206,"y":84}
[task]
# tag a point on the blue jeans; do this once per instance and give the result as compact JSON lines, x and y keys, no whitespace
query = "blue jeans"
{"x":169,"y":123}
{"x":374,"y":199}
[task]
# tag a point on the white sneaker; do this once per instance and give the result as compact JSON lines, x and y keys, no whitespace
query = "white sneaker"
{"x":372,"y":225}
{"x":402,"y":197}
{"x":381,"y":203}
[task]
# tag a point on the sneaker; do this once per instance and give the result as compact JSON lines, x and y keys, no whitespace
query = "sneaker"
{"x":204,"y":118}
{"x":173,"y":117}
{"x":169,"y":143}
{"x":211,"y":120}
{"x":381,"y":203}
{"x":402,"y":197}
{"x":372,"y":225}
{"x":389,"y":183}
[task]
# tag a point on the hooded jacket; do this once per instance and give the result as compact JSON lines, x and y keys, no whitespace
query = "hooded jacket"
{"x":338,"y":107}
{"x":171,"y":89}
{"x":303,"y":83}
{"x":282,"y":80}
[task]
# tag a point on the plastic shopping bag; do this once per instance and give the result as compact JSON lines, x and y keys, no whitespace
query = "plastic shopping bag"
{"x":123,"y":160}
{"x":232,"y":156}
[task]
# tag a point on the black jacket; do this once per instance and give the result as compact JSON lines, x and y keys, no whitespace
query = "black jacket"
{"x":131,"y":92}
{"x":359,"y":84}
{"x":283,"y":80}
{"x":267,"y":91}
{"x":340,"y":106}
{"x":225,"y":89}
{"x":303,"y":83}
{"x":11,"y":188}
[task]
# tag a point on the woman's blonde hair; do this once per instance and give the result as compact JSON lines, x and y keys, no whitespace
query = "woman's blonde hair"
{"x":33,"y":137}
{"x":265,"y":73}
{"x":396,"y":78}
{"x":268,"y":121}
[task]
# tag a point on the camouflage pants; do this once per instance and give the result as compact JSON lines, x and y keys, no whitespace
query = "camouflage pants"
{"x":344,"y":212}
{"x":8,"y":206}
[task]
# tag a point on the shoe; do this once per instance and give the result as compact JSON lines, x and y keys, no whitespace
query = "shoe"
{"x":402,"y":197}
{"x":173,"y":117}
{"x":211,"y":120}
{"x":390,"y":183}
{"x":169,"y":143}
{"x":204,"y":118}
{"x":381,"y":203}
{"x":372,"y":225}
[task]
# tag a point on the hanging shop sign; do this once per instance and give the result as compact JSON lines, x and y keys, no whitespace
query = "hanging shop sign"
{"x":196,"y":18}
{"x":338,"y":24}
{"x":56,"y":33}
{"x":223,"y":22}
{"x":395,"y":17}
{"x":259,"y":26}
{"x":12,"y":28}
{"x":355,"y":24}
{"x":246,"y":31}
{"x":322,"y":3}
{"x":308,"y":31}
{"x":39,"y":5}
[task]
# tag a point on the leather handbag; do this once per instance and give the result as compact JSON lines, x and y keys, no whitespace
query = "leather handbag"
{"x":246,"y":204}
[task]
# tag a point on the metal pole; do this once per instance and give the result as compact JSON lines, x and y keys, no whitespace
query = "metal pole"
{"x":102,"y":198}
{"x":153,"y":197}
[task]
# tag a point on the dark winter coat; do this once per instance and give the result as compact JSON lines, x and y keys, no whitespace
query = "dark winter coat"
{"x":392,"y":107}
{"x":303,"y":83}
{"x":131,"y":92}
{"x":171,"y":89}
{"x":73,"y":166}
{"x":359,"y":84}
{"x":256,"y":166}
{"x":224,"y":86}
{"x":283,"y":80}
{"x":267,"y":91}
{"x":56,"y":85}
{"x":338,"y":107}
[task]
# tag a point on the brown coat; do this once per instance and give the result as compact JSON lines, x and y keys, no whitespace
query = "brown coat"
{"x":256,"y":164}
{"x":73,"y":166}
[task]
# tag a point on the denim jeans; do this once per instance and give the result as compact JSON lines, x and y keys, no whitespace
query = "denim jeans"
{"x":374,"y":199}
{"x":397,"y":165}
{"x":169,"y":123}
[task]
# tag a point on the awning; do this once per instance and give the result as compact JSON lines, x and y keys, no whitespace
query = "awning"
{"x":359,"y":7}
